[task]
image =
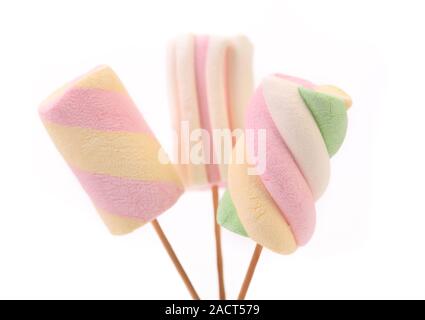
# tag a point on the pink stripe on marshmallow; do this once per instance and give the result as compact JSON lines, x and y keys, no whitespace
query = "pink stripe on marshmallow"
{"x":282,"y":177}
{"x":127,"y":197}
{"x":95,"y":109}
{"x":201,"y":53}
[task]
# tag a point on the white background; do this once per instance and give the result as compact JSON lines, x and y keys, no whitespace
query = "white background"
{"x":369,"y":241}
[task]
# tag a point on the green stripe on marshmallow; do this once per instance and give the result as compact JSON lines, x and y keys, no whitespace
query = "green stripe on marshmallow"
{"x":227,"y":215}
{"x":330,"y":114}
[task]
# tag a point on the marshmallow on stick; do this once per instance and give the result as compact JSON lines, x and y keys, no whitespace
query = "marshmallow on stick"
{"x":112,"y":151}
{"x":210,"y":80}
{"x":305,"y":124}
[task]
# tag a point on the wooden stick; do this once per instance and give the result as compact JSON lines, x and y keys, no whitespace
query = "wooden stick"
{"x":175,"y":260}
{"x":219,"y":253}
{"x":250,"y":272}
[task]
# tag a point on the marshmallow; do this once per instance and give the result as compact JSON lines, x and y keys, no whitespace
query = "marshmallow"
{"x":305,"y":125}
{"x":111,"y":150}
{"x":210,"y":81}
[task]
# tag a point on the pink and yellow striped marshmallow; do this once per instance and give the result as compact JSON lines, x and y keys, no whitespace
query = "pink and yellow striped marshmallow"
{"x":111,"y":150}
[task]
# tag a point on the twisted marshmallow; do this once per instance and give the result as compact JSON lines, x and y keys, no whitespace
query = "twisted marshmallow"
{"x":305,"y":124}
